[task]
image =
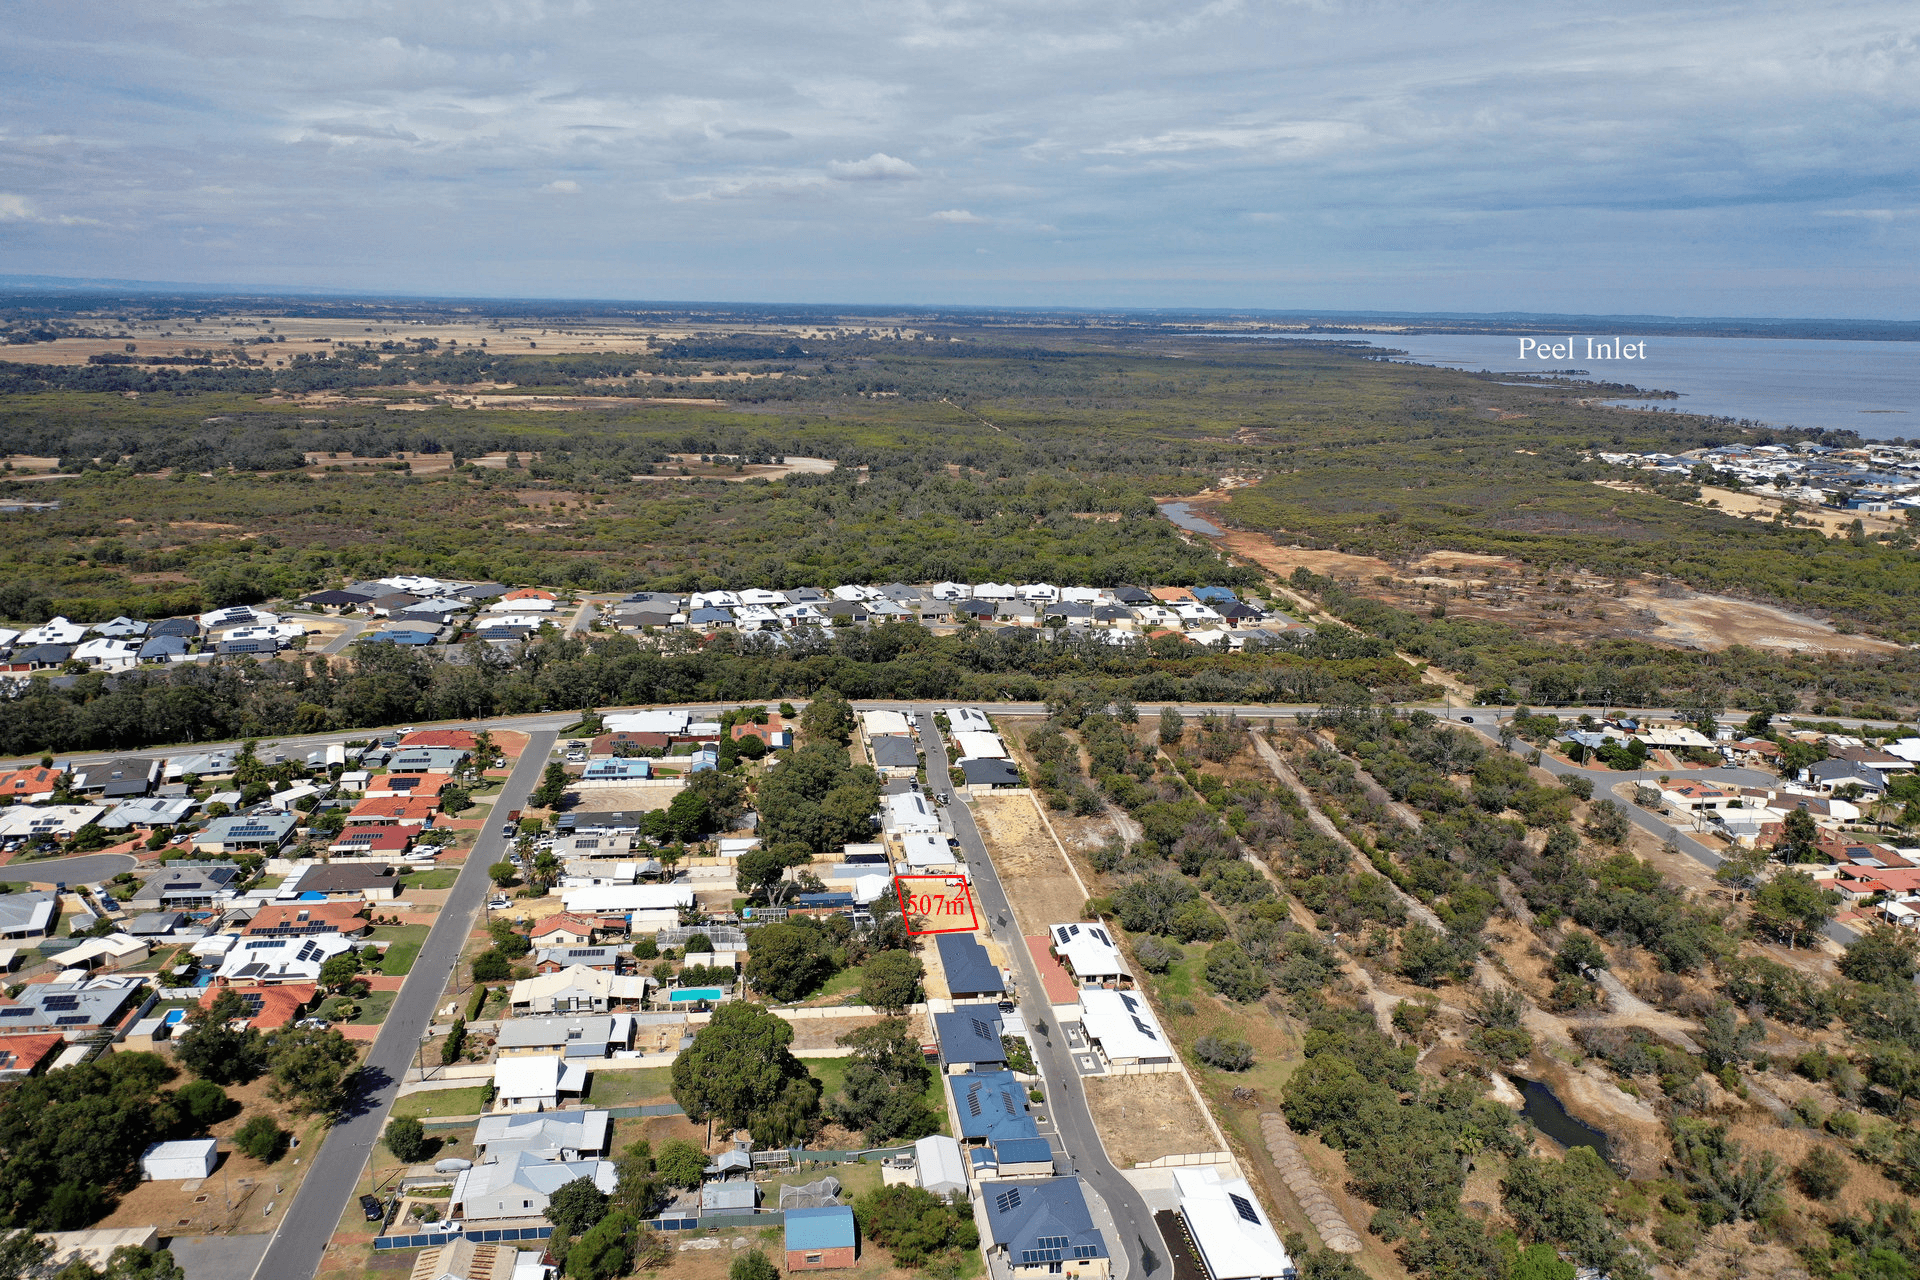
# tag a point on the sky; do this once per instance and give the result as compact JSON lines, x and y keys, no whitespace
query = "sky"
{"x":1620,"y":157}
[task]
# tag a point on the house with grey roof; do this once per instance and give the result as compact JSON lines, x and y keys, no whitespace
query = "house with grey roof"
{"x":546,"y":1135}
{"x":970,"y":1039}
{"x":242,"y":831}
{"x":116,"y":779}
{"x":183,"y":887}
{"x":894,"y":755}
{"x":71,"y":1009}
{"x":149,"y":811}
{"x":163,"y":649}
{"x":1044,"y":1228}
{"x":26,"y":915}
{"x":521,"y":1186}
{"x":570,"y":1036}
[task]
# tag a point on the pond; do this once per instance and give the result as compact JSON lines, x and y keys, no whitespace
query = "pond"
{"x":1552,"y":1119}
{"x":1181,"y":514}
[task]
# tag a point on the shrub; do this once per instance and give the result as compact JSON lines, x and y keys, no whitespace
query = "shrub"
{"x":1225,"y":1054}
{"x":1156,"y":956}
{"x":262,"y":1139}
{"x":205,"y":1101}
{"x":406,"y":1137}
{"x":1822,"y":1173}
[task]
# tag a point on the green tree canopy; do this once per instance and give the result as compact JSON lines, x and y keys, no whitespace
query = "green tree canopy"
{"x":739,"y":1070}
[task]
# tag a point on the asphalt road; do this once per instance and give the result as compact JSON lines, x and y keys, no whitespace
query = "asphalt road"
{"x":300,"y":1242}
{"x":1140,"y":1251}
{"x":340,"y":642}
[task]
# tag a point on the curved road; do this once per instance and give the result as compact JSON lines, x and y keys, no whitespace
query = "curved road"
{"x":83,"y":869}
{"x":299,"y":1243}
{"x":1140,"y":1245}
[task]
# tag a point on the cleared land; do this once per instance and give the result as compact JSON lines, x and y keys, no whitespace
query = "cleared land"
{"x":1143,"y":1118}
{"x":1037,"y":879}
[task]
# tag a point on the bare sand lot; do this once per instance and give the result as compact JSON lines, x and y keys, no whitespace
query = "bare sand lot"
{"x":1146,"y":1117}
{"x":1039,"y":884}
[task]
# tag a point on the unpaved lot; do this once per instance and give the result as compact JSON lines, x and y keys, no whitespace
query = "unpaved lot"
{"x":1037,"y":879}
{"x":1146,"y":1117}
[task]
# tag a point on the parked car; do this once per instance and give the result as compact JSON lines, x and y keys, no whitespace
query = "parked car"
{"x":372,"y":1208}
{"x":497,"y":904}
{"x":508,"y":830}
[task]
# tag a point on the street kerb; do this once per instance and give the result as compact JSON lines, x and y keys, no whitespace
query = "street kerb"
{"x":938,"y":904}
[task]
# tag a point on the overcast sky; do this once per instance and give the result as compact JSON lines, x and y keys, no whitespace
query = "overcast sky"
{"x":1738,"y":159}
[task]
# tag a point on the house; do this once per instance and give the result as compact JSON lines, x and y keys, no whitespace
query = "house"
{"x":1233,"y":1236}
{"x":1835,"y":775}
{"x":268,"y":1008}
{"x":554,"y":959}
{"x":242,"y":831}
{"x":615,"y":773}
{"x":269,"y":962}
{"x":568,"y":1037}
{"x":620,"y":900}
{"x":387,"y":785}
{"x":426,"y":760}
{"x":1088,"y":951}
{"x":928,"y":852}
{"x":448,"y":739}
{"x":880,"y":724}
{"x":895,"y":757}
{"x":149,"y":811}
{"x":113,"y":655}
{"x":373,"y":842}
{"x":1694,"y":797}
{"x":563,"y":930}
{"x":153,"y":925}
{"x":184,"y":628}
{"x":521,"y":1186}
{"x":460,"y":1258}
{"x":298,"y":919}
{"x":938,"y":1165}
{"x":179,"y":1161}
{"x":990,"y":773}
{"x":58,"y":631}
{"x":976,"y":745}
{"x":611,"y":746}
{"x":26,"y":1055}
{"x":970,"y":1040}
{"x":1013,"y":1158}
{"x":181,"y":888}
{"x":73,"y":1009}
{"x":109,"y":952}
{"x":1121,"y":1025}
{"x":579,"y":990}
{"x":563,"y":1136}
{"x":907,"y":811}
{"x":394,"y":811}
{"x":115,"y":779}
{"x":992,"y":1106}
{"x":29,"y":786}
{"x":335,"y":601}
{"x":58,"y":821}
{"x":536,"y":1083}
{"x":26,"y":915}
{"x":38,"y":657}
{"x":373,"y":882}
{"x":971,"y":975}
{"x":821,"y":1239}
{"x":1043,"y":1228}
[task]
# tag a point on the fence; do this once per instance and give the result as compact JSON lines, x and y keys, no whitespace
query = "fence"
{"x":427,"y":1240}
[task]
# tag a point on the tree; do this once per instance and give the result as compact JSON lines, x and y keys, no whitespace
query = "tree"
{"x":1723,"y":1040}
{"x":884,"y":1091}
{"x":406,"y":1137}
{"x":763,"y":870}
{"x":828,"y":718}
{"x":914,"y":1224}
{"x":890,"y":981}
{"x":310,"y":1068}
{"x":1226,"y":1054}
{"x":214,"y":1049}
{"x":1799,"y":839}
{"x":503,"y":873}
{"x":1580,"y":953}
{"x":604,"y":1251}
{"x":205,"y":1102}
{"x":576,"y":1206}
{"x":1232,"y":973}
{"x":1607,"y":822}
{"x":552,"y":788}
{"x":1883,"y":957}
{"x":21,"y":1254}
{"x":1822,"y":1173}
{"x":128,"y":1262}
{"x":1541,"y":1262}
{"x":1173,"y":726}
{"x":689,"y":816}
{"x":739,"y":1070}
{"x":1718,"y":1174}
{"x":339,"y":971}
{"x":639,"y":1186}
{"x":546,"y":869}
{"x":455,"y":1044}
{"x":680,"y":1163}
{"x":789,"y":961}
{"x":1792,"y":908}
{"x":752,"y":1265}
{"x":262,"y":1138}
{"x":1427,"y":955}
{"x":492,"y":965}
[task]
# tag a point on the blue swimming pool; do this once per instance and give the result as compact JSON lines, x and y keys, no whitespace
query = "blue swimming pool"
{"x":689,"y":995}
{"x":175,"y":1017}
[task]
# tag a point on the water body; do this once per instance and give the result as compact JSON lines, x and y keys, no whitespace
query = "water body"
{"x":1550,"y":1118}
{"x":1182,"y":514}
{"x":1872,"y":388}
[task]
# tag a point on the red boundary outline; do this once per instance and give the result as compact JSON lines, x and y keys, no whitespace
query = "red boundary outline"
{"x":966,"y":889}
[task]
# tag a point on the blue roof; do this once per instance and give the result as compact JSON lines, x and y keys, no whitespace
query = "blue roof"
{"x":965,"y":962}
{"x":1213,"y":593}
{"x":992,"y":1105}
{"x":828,"y":1228}
{"x":1023,"y":1151}
{"x":826,"y":900}
{"x":1042,"y":1221}
{"x":969,"y":1034}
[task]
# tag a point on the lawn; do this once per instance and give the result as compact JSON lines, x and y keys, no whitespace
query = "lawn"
{"x":438,"y":878}
{"x":373,"y":1008}
{"x":844,"y":983}
{"x":630,"y":1088}
{"x":442,"y":1102}
{"x":269,"y":882}
{"x":406,"y":940}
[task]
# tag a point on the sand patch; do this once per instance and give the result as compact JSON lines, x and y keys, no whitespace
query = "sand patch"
{"x":1146,"y":1117}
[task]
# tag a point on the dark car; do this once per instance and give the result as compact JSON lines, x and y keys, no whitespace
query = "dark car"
{"x":1006,"y":1006}
{"x":372,"y":1207}
{"x":1466,"y":719}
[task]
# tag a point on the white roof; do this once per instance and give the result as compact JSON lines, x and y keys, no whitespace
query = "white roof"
{"x":528,"y":1077}
{"x":871,"y":888}
{"x":968,"y":720}
{"x":1088,"y":950}
{"x":940,"y":1165}
{"x":975,"y":745}
{"x":57,"y":631}
{"x":994,"y":591}
{"x":282,"y":959}
{"x":880,"y":723}
{"x":527,"y":604}
{"x":1905,"y":748}
{"x":106,"y":650}
{"x":612,"y":899}
{"x":1229,"y":1227}
{"x":908,"y":811}
{"x":669,"y":721}
{"x":1123,"y":1023}
{"x":927,"y":849}
{"x":60,"y":819}
{"x":214,"y":944}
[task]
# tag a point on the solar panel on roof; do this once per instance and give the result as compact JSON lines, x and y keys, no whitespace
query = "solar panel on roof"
{"x":60,"y":1002}
{"x":1006,"y":1100}
{"x":973,"y":1102}
{"x":20,"y":1011}
{"x":71,"y":1020}
{"x":1244,"y":1208}
{"x":1086,"y":1251}
{"x":1008,"y":1199}
{"x":981,"y":1029}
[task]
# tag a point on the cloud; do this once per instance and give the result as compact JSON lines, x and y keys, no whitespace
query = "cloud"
{"x":564,"y":186}
{"x":955,"y":215}
{"x":14,"y":208}
{"x":878,"y":167}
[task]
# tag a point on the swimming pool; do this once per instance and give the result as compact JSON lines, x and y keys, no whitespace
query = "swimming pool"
{"x":688,"y":995}
{"x":175,"y":1017}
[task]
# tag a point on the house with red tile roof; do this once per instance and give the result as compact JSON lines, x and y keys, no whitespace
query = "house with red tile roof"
{"x":25,"y":1055}
{"x":373,"y":840}
{"x":293,"y":919}
{"x":29,"y":785}
{"x":457,"y":739}
{"x":407,"y":784}
{"x":529,"y":593}
{"x":564,"y":930}
{"x":394,"y":811}
{"x":268,"y":1008}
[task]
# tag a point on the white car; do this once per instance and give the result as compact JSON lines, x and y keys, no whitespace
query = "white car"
{"x":497,"y":904}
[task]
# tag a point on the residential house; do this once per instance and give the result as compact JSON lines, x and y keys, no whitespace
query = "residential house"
{"x":1122,"y":1026}
{"x":37,"y":657}
{"x":895,"y":757}
{"x":242,"y":831}
{"x":579,"y":990}
{"x":72,"y":1009}
{"x":299,"y":919}
{"x":29,"y":786}
{"x":992,"y":1106}
{"x":612,"y":746}
{"x":537,"y":1083}
{"x":266,"y":962}
{"x":57,"y":821}
{"x":26,"y":1055}
{"x":563,"y":930}
{"x":267,"y":1008}
{"x":183,"y":888}
{"x":973,"y":745}
{"x":426,"y":760}
{"x":615,"y":773}
{"x":520,"y":1186}
{"x":1043,"y":1229}
{"x":387,"y":785}
{"x":555,"y":959}
{"x":461,"y":740}
{"x":1232,"y":1234}
{"x":567,"y":1037}
{"x":822,"y":1239}
{"x":394,"y":811}
{"x":373,"y":842}
{"x":111,"y":655}
{"x":1833,"y":775}
{"x":373,"y":882}
{"x":149,"y":812}
{"x":563,"y":1136}
{"x":970,"y":1040}
{"x":970,"y":973}
{"x":1089,"y":953}
{"x":990,"y":773}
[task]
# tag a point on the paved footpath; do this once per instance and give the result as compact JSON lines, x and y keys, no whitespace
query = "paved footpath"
{"x":300,"y":1242}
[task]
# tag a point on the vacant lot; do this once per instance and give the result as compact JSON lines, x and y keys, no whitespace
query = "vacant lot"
{"x":1037,"y":879}
{"x":1143,"y":1118}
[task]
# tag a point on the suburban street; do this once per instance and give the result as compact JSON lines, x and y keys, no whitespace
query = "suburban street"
{"x":300,"y":1241}
{"x":1140,"y":1244}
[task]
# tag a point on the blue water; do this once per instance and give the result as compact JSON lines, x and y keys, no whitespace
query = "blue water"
{"x":175,"y":1017}
{"x":1182,"y":515}
{"x":687,"y":995}
{"x":1872,"y":388}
